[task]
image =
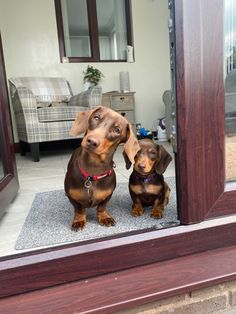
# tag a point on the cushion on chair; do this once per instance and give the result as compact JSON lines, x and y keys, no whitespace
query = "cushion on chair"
{"x":53,"y":114}
{"x":89,"y":98}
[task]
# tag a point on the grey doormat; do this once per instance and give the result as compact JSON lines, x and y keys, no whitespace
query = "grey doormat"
{"x":49,"y":220}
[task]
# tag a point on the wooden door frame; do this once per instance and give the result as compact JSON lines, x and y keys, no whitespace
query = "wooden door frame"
{"x":203,"y":193}
{"x":9,"y":184}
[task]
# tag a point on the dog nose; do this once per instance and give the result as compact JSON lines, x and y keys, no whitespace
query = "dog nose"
{"x":141,"y":166}
{"x":92,"y":142}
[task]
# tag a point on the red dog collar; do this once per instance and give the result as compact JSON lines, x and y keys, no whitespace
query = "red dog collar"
{"x":89,"y":179}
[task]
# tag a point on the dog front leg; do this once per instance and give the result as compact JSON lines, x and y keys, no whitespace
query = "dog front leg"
{"x":167,"y":195}
{"x":157,"y":210}
{"x":161,"y":203}
{"x":137,"y":208}
{"x":79,"y":220}
{"x":103,"y":216}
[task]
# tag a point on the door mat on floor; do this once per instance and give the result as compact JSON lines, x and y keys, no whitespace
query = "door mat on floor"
{"x":49,"y":220}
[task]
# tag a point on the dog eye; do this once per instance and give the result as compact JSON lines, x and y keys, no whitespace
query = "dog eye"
{"x":117,"y":130}
{"x":96,"y":117}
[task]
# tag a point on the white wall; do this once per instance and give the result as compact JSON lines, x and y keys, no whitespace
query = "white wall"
{"x":30,"y":45}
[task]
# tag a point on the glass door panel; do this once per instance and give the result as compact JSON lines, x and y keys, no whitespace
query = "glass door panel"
{"x":230,"y":88}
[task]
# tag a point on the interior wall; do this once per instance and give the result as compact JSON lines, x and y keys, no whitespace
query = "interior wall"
{"x":30,"y":45}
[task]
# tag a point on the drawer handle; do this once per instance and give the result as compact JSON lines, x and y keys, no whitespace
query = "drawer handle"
{"x":122,"y":98}
{"x":123,"y":114}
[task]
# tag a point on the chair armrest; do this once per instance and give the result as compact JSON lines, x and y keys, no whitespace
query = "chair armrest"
{"x":26,"y":116}
{"x":90,"y":98}
{"x":24,"y":100}
{"x":25,"y":108}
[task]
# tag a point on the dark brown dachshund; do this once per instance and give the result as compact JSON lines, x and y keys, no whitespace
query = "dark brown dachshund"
{"x":90,"y":179}
{"x":146,"y":183}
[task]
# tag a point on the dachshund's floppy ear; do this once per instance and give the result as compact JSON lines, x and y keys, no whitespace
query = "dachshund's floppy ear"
{"x":163,"y":159}
{"x":81,"y":122}
{"x":127,"y":161}
{"x":131,"y":147}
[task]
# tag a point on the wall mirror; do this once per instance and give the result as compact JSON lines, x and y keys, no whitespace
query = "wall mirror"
{"x":97,"y":30}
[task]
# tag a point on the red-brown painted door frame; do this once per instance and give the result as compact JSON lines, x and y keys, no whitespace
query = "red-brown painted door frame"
{"x":9,"y":183}
{"x":203,"y":193}
{"x":201,"y":178}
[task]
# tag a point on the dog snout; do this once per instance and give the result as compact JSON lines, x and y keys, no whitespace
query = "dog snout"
{"x":141,"y":166}
{"x":92,"y":142}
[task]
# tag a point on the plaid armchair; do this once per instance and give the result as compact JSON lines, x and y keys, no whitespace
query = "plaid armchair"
{"x":45,"y":109}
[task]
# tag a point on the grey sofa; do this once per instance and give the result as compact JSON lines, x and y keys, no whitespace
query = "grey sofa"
{"x":45,"y":109}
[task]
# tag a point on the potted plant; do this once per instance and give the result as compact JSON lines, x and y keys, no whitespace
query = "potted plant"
{"x":92,"y":75}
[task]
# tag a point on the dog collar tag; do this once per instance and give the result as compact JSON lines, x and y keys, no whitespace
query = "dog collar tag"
{"x":88,"y":183}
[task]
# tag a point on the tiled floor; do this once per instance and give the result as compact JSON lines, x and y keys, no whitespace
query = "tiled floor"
{"x":46,"y":175}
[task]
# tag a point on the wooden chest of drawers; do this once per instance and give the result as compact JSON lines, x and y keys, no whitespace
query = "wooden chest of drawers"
{"x":122,"y":103}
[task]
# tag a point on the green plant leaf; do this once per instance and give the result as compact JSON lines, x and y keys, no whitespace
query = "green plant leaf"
{"x":92,"y":75}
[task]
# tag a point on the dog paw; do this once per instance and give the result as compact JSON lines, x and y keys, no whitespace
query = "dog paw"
{"x":78,"y":225}
{"x":136,"y":212}
{"x":157,"y":214}
{"x":106,"y":220}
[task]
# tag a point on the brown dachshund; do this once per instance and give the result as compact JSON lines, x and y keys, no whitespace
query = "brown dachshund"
{"x":146,"y":183}
{"x":90,"y":179}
